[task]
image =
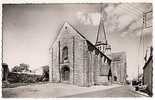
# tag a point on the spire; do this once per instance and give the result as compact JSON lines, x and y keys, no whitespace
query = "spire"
{"x":101,"y":40}
{"x":101,"y":34}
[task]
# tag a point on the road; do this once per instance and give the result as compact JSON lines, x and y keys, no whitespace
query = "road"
{"x":123,"y":91}
{"x":52,"y":90}
{"x":55,"y":90}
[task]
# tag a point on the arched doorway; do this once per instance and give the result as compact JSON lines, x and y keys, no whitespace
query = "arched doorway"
{"x":65,"y":73}
{"x":115,"y":78}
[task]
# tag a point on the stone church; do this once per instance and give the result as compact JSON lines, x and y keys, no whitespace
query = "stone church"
{"x":75,"y":60}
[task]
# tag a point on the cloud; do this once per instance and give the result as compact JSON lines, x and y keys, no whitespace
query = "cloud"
{"x":95,"y":18}
{"x":125,"y":19}
{"x":89,"y":18}
{"x":143,"y":32}
{"x":124,"y":34}
{"x":124,"y":22}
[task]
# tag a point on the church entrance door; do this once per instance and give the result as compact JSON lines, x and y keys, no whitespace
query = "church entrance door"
{"x":65,"y":74}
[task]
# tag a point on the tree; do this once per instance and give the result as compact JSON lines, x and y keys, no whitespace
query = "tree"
{"x":24,"y":67}
{"x":21,"y":68}
{"x":15,"y":69}
{"x":45,"y":73}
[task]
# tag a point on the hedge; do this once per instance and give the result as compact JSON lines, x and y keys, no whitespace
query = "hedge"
{"x":24,"y":78}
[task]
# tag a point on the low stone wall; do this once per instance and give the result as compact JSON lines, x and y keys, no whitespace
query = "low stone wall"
{"x":23,"y":78}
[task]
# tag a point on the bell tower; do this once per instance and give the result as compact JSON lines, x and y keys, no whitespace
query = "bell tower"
{"x":101,"y":40}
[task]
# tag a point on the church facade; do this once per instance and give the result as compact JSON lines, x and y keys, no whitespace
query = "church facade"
{"x":75,"y":60}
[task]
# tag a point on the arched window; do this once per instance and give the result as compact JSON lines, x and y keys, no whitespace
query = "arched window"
{"x":65,"y":53}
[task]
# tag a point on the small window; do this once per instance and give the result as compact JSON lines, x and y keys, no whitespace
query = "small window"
{"x":65,"y":53}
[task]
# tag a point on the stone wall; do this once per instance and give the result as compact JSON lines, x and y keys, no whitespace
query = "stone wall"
{"x":79,"y":67}
{"x":95,"y":62}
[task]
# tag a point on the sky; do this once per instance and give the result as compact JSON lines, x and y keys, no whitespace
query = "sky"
{"x":29,"y":30}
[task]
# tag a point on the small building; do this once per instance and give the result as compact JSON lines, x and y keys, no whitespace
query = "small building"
{"x":75,"y":60}
{"x":5,"y":72}
{"x":148,"y":72}
{"x":118,"y":67}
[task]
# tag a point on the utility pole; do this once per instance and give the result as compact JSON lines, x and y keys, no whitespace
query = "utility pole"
{"x":138,"y":73}
{"x":146,"y":18}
